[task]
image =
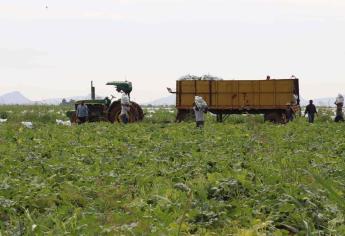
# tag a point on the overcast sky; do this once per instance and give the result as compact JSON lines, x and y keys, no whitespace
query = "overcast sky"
{"x":56,"y":51}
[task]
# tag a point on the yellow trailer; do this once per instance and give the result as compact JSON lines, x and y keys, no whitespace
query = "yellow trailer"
{"x":273,"y":97}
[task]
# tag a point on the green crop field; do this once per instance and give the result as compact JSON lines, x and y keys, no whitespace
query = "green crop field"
{"x":241,"y":177}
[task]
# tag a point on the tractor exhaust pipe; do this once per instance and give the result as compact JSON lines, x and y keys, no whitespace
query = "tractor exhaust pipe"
{"x":93,"y":93}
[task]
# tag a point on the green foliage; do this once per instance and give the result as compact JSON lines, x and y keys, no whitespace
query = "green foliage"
{"x":42,"y":113}
{"x":162,"y":178}
{"x":159,"y":115}
{"x":325,"y":115}
{"x":3,"y":115}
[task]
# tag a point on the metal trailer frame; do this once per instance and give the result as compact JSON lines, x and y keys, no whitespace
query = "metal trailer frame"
{"x":275,"y":113}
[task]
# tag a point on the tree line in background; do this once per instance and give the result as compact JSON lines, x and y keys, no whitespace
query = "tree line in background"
{"x":64,"y":102}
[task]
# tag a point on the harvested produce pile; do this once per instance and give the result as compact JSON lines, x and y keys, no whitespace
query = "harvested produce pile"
{"x":160,"y":178}
{"x":204,"y":77}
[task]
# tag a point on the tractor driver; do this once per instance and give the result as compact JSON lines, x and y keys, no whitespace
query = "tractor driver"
{"x":82,"y":113}
{"x":125,"y":108}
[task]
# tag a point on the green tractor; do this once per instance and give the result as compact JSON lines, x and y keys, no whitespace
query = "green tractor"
{"x":109,"y":109}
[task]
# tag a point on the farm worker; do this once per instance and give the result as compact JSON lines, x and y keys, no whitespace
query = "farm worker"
{"x":200,"y":108}
{"x":82,"y":113}
{"x":339,"y":116}
{"x":311,"y":111}
{"x":125,"y":108}
{"x":290,"y":113}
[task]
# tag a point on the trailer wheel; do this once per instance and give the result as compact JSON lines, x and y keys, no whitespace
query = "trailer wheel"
{"x":220,"y":118}
{"x":139,"y":111}
{"x":275,"y":117}
{"x":184,"y":115}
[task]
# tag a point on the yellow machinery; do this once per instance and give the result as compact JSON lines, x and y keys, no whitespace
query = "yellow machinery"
{"x":273,"y":97}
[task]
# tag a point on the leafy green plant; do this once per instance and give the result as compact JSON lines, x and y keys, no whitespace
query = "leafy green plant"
{"x":3,"y":115}
{"x":157,"y":177}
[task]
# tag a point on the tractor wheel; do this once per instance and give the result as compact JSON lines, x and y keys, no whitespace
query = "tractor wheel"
{"x":139,"y":110}
{"x":114,"y":114}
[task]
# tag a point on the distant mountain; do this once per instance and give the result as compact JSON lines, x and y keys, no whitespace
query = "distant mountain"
{"x":324,"y":102}
{"x":14,"y":98}
{"x":57,"y":101}
{"x":165,"y":101}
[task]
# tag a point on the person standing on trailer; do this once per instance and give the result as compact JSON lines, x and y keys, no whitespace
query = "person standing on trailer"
{"x":82,"y":113}
{"x":125,"y":108}
{"x":311,"y":111}
{"x":339,"y":112}
{"x":200,"y":109}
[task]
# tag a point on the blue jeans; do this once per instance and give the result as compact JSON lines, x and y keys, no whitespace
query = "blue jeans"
{"x":311,"y":117}
{"x":82,"y":120}
{"x":200,"y":124}
{"x":124,"y":119}
{"x":339,"y":118}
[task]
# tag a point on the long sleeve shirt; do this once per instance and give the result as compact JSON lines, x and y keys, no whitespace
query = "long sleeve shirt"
{"x":199,"y":114}
{"x":125,"y":109}
{"x":310,"y":109}
{"x":82,"y":111}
